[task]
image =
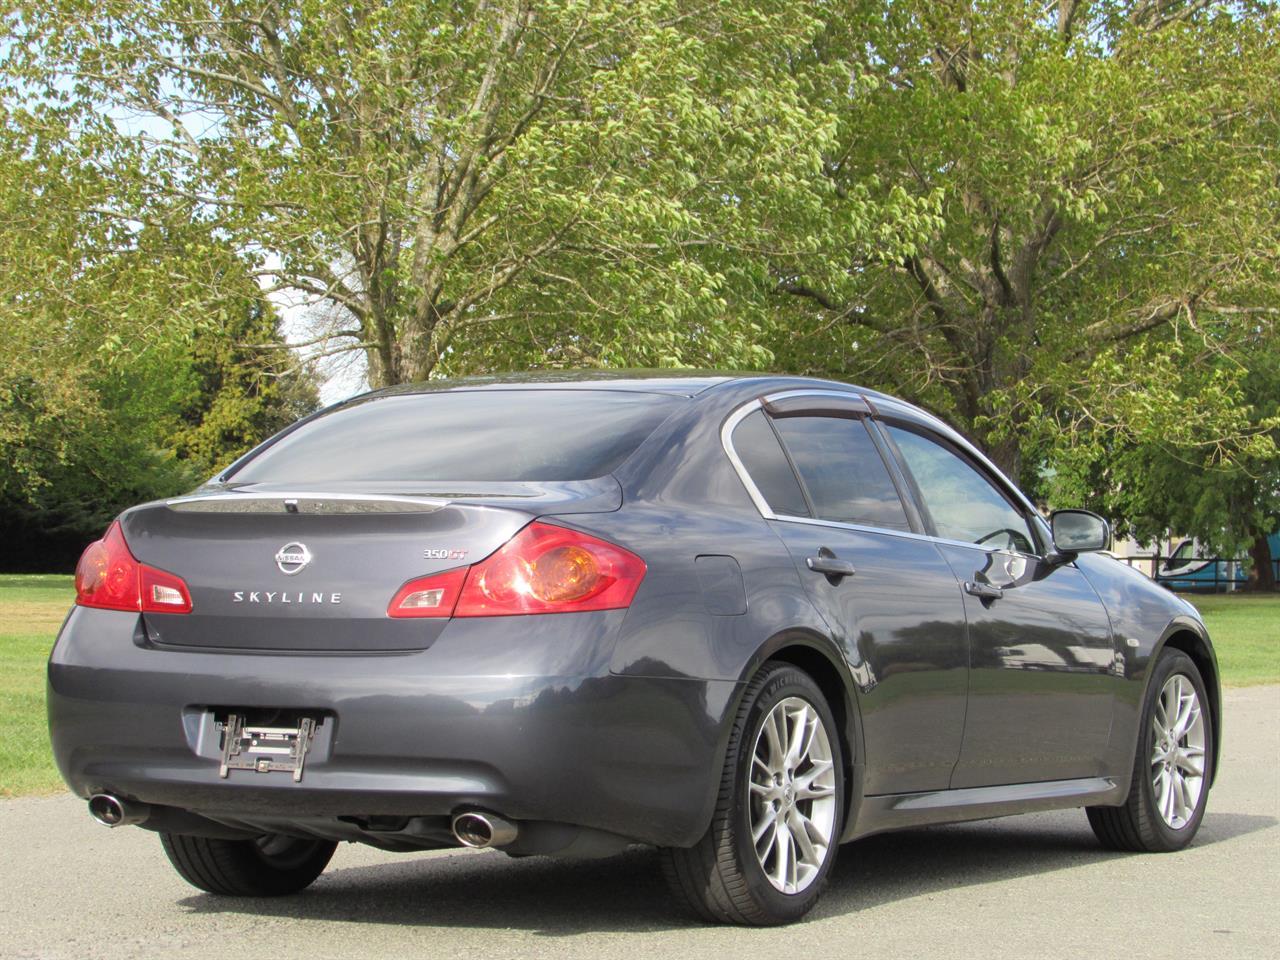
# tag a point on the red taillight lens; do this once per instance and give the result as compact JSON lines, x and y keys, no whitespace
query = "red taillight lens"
{"x":433,"y":596}
{"x":542,"y":569}
{"x":107,"y":574}
{"x":109,"y":577}
{"x":548,"y":569}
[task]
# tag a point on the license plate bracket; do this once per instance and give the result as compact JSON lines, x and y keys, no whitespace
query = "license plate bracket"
{"x":265,"y":748}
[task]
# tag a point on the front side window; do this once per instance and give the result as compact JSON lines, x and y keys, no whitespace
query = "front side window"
{"x":965,"y":505}
{"x":843,"y":471}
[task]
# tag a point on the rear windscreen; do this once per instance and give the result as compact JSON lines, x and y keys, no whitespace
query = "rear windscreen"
{"x":469,"y":435}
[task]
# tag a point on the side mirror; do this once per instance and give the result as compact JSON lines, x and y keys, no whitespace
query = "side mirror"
{"x":1079,"y":531}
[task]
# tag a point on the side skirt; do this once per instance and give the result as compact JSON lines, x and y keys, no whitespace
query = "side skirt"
{"x":895,"y":811}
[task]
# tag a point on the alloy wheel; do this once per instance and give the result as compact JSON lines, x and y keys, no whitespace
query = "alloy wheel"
{"x":1177,"y":751}
{"x":793,"y":802}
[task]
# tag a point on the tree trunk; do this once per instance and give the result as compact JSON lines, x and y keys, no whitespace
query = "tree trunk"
{"x":1263,"y":574}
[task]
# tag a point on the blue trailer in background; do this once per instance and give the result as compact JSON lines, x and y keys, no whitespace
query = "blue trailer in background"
{"x":1189,"y":569}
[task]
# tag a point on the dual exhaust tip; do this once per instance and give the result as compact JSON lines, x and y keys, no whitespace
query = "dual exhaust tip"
{"x":473,"y":828}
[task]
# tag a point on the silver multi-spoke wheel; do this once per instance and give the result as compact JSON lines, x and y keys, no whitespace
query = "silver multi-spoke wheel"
{"x":1177,"y":751}
{"x":1173,"y":772}
{"x":779,"y":812}
{"x":793,"y":803}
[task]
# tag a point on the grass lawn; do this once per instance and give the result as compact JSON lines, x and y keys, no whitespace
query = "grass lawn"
{"x":31,"y":610}
{"x":1246,"y":635}
{"x":1245,"y":631}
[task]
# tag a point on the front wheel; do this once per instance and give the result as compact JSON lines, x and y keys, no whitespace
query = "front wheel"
{"x":779,"y":812}
{"x":1171,"y":773}
{"x":272,"y":865}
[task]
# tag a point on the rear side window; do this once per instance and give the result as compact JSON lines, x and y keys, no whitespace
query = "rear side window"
{"x":843,"y":471}
{"x":497,"y":435}
{"x":766,"y":464}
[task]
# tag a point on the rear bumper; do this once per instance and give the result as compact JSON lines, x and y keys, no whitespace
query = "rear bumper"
{"x":529,"y":725}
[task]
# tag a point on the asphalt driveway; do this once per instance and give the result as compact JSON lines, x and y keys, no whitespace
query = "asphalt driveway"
{"x":1034,"y":886}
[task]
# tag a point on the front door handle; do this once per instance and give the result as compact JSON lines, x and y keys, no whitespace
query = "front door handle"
{"x":828,"y":563}
{"x":984,"y":591}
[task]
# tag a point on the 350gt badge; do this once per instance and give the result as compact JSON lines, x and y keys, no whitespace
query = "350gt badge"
{"x":443,"y":553}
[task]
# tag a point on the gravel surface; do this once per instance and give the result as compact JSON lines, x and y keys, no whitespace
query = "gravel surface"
{"x":1032,"y":886}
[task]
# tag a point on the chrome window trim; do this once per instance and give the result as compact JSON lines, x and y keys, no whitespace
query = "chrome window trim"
{"x":907,"y":534}
{"x":726,"y":441}
{"x":810,"y":392}
{"x":762,"y":505}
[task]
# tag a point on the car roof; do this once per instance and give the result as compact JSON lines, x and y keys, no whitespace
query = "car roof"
{"x":683,"y":383}
{"x":673,"y":382}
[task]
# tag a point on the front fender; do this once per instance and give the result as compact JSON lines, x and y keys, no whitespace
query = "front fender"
{"x":1189,"y":634}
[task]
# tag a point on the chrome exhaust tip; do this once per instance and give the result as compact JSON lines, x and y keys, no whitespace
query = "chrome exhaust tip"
{"x":479,"y":830}
{"x":113,"y":812}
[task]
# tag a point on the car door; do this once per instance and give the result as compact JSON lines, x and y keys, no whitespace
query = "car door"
{"x":1042,"y":680}
{"x":885,"y":591}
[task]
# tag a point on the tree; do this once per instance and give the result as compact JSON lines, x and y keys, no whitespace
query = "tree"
{"x":239,"y":386}
{"x":1223,"y":491}
{"x":1090,"y":179}
{"x":125,"y":377}
{"x":493,"y":178}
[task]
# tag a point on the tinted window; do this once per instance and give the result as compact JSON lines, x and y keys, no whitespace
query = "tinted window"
{"x":843,"y":471}
{"x":965,"y":505}
{"x":766,"y":464}
{"x":468,"y":435}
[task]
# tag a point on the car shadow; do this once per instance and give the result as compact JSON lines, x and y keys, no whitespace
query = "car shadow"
{"x":626,"y":893}
{"x":892,"y":866}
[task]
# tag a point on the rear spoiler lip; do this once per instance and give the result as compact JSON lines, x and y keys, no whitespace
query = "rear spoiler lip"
{"x":598,"y":495}
{"x":289,"y":501}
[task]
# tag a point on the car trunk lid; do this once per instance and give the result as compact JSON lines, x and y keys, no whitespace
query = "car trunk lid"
{"x":314,"y":570}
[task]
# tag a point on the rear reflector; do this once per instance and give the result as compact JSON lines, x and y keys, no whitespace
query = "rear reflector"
{"x":110,"y":578}
{"x":542,"y":569}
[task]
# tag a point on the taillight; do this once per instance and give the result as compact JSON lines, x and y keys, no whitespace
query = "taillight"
{"x":542,"y":569}
{"x":548,"y":569}
{"x":433,"y":596}
{"x":108,"y":576}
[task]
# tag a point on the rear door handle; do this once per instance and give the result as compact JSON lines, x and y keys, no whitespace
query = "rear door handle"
{"x":828,"y":563}
{"x":983,"y":590}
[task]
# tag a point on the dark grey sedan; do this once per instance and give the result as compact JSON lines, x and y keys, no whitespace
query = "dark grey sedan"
{"x":743,"y":619}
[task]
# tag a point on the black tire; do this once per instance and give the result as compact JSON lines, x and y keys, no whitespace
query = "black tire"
{"x":270,"y":866}
{"x":1137,"y":825}
{"x":720,"y":878}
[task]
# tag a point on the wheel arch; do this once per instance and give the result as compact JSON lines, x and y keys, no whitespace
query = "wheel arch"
{"x":1186,"y":635}
{"x":818,"y":657}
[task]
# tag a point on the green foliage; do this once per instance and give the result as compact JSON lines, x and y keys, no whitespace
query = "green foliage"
{"x":1095,"y":188}
{"x":122,"y":318}
{"x":1053,"y":223}
{"x":1195,"y":449}
{"x":476,"y":185}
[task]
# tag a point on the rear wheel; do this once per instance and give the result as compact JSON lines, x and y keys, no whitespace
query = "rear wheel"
{"x":773,"y":836}
{"x":1170,"y":783}
{"x":269,"y":866}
